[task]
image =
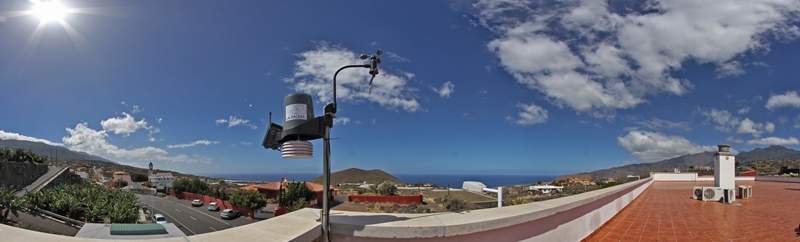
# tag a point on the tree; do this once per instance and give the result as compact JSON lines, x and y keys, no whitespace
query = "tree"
{"x":385,"y":188}
{"x":9,"y":203}
{"x":248,"y":199}
{"x":292,"y":194}
{"x":138,"y":177}
{"x":193,"y":185}
{"x":147,"y":184}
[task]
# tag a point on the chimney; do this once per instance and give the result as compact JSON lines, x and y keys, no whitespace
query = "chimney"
{"x":724,"y":167}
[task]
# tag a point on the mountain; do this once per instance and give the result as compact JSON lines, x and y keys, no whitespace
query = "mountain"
{"x":45,"y":150}
{"x":774,"y":152}
{"x":355,"y":175}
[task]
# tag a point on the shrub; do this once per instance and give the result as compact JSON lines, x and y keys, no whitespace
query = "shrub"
{"x":385,"y":188}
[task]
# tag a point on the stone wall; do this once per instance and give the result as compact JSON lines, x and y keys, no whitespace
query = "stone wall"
{"x":20,"y":174}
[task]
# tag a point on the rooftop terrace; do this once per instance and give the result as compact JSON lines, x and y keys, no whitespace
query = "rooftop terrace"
{"x":666,"y":212}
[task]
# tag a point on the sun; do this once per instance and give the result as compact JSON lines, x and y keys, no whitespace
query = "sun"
{"x":49,"y":11}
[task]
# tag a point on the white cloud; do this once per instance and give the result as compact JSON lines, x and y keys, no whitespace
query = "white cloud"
{"x":358,"y":122}
{"x":151,"y":139}
{"x":396,"y":58}
{"x":136,"y":109}
{"x":341,"y":120}
{"x":723,"y":119}
{"x":593,"y":58}
{"x":446,"y":89}
{"x":245,"y":143}
{"x":790,"y":99}
{"x":314,"y":72}
{"x":734,"y":140}
{"x":236,"y":121}
{"x":82,"y":138}
{"x":744,"y":110}
{"x":530,"y":114}
{"x":660,"y":124}
{"x":769,"y":127}
{"x":774,"y":141}
{"x":15,"y":136}
{"x":747,"y":126}
{"x":199,"y":142}
{"x":159,"y":120}
{"x":654,"y":147}
{"x":123,"y":125}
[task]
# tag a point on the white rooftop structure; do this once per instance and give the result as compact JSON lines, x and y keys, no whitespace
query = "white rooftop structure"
{"x":545,"y":188}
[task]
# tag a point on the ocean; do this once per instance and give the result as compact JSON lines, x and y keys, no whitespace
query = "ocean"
{"x":454,"y":180}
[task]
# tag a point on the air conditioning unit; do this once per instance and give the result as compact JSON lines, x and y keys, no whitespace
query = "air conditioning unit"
{"x":697,"y":193}
{"x":745,"y":192}
{"x":712,"y":193}
{"x":728,"y":195}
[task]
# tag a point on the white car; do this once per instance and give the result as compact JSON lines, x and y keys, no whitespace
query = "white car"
{"x":213,"y":206}
{"x":197,"y":203}
{"x":158,"y":218}
{"x":229,"y":214}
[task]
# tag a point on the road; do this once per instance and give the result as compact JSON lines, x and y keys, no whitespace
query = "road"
{"x":47,"y":224}
{"x":191,"y":220}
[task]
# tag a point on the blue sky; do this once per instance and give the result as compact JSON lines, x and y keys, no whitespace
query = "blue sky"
{"x":517,"y":87}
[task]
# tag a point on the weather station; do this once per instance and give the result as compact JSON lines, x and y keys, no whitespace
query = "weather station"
{"x":300,"y":126}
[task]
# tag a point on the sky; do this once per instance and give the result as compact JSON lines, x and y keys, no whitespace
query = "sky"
{"x":465,"y":87}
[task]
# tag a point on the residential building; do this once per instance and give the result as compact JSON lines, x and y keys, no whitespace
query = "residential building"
{"x":271,"y":190}
{"x":162,"y":180}
{"x":121,"y":175}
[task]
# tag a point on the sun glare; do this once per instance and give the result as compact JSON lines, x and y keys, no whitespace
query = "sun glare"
{"x":49,"y":11}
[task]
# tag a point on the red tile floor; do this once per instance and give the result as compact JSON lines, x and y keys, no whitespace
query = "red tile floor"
{"x":666,"y":212}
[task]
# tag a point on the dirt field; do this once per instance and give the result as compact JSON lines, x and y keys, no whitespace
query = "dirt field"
{"x":463,"y":195}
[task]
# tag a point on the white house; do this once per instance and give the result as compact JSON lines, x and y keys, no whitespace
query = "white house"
{"x":162,"y":180}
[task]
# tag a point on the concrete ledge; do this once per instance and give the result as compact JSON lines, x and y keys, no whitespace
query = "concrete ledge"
{"x":302,"y":225}
{"x":572,"y":209}
{"x":778,"y":179}
{"x":298,"y":226}
{"x":692,"y":176}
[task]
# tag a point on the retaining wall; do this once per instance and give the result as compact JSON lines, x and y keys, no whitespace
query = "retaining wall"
{"x":20,"y":174}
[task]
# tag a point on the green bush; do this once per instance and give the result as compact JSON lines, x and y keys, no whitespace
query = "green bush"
{"x":385,"y":188}
{"x":248,"y":199}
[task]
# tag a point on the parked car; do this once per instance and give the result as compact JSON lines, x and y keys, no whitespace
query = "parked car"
{"x":213,"y":207}
{"x":197,"y":203}
{"x":158,"y":218}
{"x":229,"y":214}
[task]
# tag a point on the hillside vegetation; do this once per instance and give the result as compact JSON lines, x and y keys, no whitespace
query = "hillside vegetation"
{"x":773,"y":154}
{"x":355,"y":175}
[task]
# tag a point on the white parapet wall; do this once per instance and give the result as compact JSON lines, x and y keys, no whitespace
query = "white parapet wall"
{"x":692,"y":176}
{"x":778,"y":179}
{"x":570,"y":218}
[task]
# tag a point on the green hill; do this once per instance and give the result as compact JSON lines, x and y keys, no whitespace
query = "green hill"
{"x":355,"y":175}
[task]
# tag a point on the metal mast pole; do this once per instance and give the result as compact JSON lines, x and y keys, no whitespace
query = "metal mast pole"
{"x":326,"y":183}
